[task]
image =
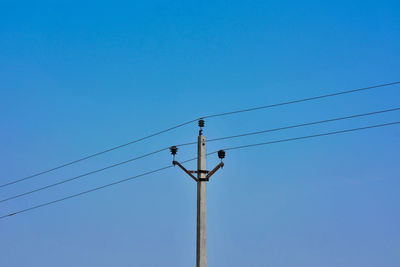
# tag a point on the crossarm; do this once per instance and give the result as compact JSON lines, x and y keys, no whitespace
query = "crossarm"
{"x":214,"y":170}
{"x":184,"y":169}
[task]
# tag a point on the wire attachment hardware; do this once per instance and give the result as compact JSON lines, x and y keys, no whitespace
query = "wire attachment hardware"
{"x":173,"y":150}
{"x":221,"y":154}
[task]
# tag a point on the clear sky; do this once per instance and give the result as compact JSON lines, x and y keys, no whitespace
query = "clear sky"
{"x":78,"y":77}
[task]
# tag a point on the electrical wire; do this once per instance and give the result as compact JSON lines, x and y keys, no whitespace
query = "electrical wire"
{"x":96,"y":154}
{"x":304,"y":124}
{"x":312,"y":136}
{"x":229,"y":148}
{"x":192,"y":143}
{"x":91,"y":190}
{"x":90,"y":173}
{"x":188,"y":122}
{"x":82,"y":175}
{"x":301,"y":100}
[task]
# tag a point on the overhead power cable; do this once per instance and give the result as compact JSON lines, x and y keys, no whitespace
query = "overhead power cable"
{"x":192,"y":143}
{"x":82,"y":175}
{"x":95,"y":154}
{"x":91,"y":190}
{"x":301,"y":100}
{"x":188,"y":122}
{"x":313,"y":136}
{"x":229,"y":148}
{"x":304,"y":124}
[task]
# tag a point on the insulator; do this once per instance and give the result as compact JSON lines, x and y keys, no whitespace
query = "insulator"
{"x":201,"y":123}
{"x":173,"y":150}
{"x":221,"y":154}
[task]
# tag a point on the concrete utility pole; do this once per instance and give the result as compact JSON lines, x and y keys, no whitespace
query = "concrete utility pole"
{"x":203,"y":177}
{"x":201,"y":246}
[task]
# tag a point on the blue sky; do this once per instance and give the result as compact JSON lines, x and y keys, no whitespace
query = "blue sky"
{"x":77,"y":78}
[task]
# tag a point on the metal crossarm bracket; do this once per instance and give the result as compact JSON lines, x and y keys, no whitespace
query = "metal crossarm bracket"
{"x":209,"y":173}
{"x":214,"y":170}
{"x":184,"y":169}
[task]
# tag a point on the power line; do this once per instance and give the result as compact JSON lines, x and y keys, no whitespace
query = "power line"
{"x":305,"y":124}
{"x":313,"y":136}
{"x":191,"y":143}
{"x":188,"y":122}
{"x":96,"y":154}
{"x":82,"y":175}
{"x":89,"y":173}
{"x":91,"y":190}
{"x":230,"y":148}
{"x":302,"y":100}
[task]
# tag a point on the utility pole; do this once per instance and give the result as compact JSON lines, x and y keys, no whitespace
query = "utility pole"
{"x":201,"y":239}
{"x":203,"y":177}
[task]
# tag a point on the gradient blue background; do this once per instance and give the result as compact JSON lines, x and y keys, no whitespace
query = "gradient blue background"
{"x":78,"y":77}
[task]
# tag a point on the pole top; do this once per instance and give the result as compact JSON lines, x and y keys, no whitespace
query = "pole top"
{"x":201,"y":125}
